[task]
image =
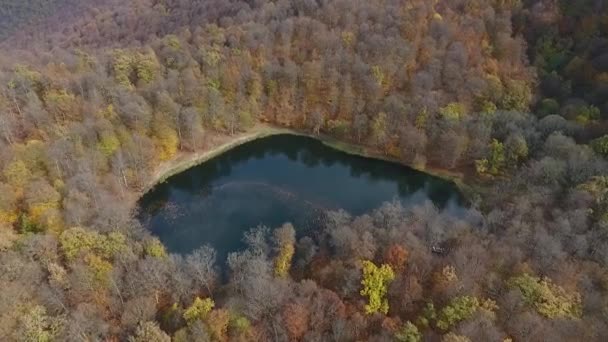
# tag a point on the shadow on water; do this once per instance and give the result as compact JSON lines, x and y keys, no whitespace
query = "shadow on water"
{"x":274,"y":180}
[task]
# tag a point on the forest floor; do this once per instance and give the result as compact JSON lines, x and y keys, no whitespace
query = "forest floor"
{"x":217,"y":144}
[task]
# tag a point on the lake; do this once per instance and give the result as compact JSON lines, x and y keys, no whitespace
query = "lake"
{"x":278,"y":179}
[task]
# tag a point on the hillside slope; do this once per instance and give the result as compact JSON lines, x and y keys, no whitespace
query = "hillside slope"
{"x":92,"y":104}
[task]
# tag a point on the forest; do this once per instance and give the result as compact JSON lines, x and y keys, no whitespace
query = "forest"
{"x":510,"y":94}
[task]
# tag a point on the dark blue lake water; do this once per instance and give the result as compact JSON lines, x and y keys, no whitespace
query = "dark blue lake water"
{"x":274,"y":180}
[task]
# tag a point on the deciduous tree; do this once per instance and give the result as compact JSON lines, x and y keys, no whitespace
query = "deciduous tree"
{"x":375,"y":286}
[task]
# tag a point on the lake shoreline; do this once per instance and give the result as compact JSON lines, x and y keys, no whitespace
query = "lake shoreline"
{"x":187,"y":160}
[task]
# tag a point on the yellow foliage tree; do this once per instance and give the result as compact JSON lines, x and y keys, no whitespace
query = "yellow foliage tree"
{"x":61,"y":104}
{"x":108,"y":143}
{"x":283,"y":261}
{"x":375,"y":286}
{"x":199,"y":309}
{"x":453,"y":111}
{"x":285,"y":238}
{"x":17,"y":173}
{"x":43,"y":206}
{"x":549,"y":300}
{"x":129,"y":68}
{"x":459,"y":309}
{"x":100,"y":269}
{"x":75,"y":241}
{"x":154,"y":248}
{"x":8,"y":204}
{"x":166,"y":140}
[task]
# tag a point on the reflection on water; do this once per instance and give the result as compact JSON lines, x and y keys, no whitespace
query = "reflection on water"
{"x":276,"y":180}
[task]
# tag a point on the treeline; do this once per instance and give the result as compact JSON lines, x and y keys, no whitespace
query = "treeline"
{"x":87,"y":113}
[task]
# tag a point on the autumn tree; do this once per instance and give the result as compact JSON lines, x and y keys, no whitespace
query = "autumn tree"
{"x":296,"y":317}
{"x":199,"y":309}
{"x":496,"y":160}
{"x":8,"y":204}
{"x":36,"y":325}
{"x":408,"y":333}
{"x":284,"y":238}
{"x":154,"y":248}
{"x":459,"y":309}
{"x":149,"y":332}
{"x":218,"y":321}
{"x":549,"y":299}
{"x":375,"y":286}
{"x":600,"y":145}
{"x":396,"y":256}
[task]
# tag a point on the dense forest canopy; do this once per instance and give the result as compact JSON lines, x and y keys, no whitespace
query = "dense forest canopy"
{"x":93,"y":99}
{"x":16,"y":15}
{"x":567,"y":42}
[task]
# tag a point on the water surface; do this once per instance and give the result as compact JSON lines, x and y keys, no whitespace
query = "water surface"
{"x":274,"y":180}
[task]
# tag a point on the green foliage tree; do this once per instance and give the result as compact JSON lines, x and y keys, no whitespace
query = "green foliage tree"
{"x":518,"y":96}
{"x":453,"y":111}
{"x":109,"y":245}
{"x":408,"y":333}
{"x":547,"y":107}
{"x":108,"y":143}
{"x":421,"y":119}
{"x":496,"y":162}
{"x":199,"y":309}
{"x":27,"y":225}
{"x":76,"y":241}
{"x":27,"y":75}
{"x":61,"y":104}
{"x":16,"y":173}
{"x":99,"y":269}
{"x":245,"y":119}
{"x":146,"y":67}
{"x":459,"y":309}
{"x":129,"y":68}
{"x":239,"y":323}
{"x":37,"y":326}
{"x":516,"y":150}
{"x":429,"y":315}
{"x":598,"y":188}
{"x":154,"y":248}
{"x":600,"y":145}
{"x":122,"y":68}
{"x":586,"y":114}
{"x":375,"y":286}
{"x":487,"y":107}
{"x":549,"y":300}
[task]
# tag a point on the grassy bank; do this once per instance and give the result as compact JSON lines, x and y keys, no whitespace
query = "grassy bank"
{"x":185,"y":161}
